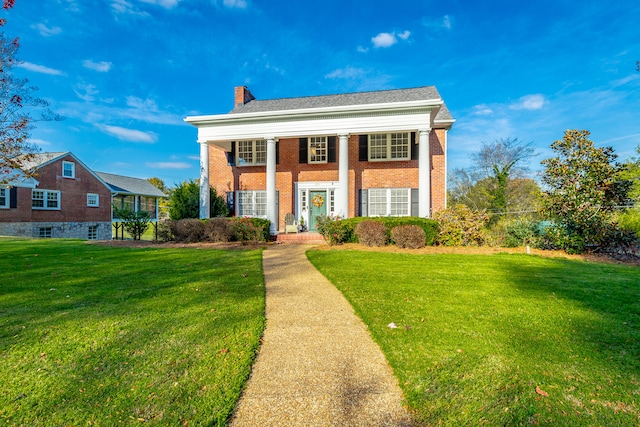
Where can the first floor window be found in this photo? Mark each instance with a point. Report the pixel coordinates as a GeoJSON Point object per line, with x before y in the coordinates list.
{"type": "Point", "coordinates": [389, 146]}
{"type": "Point", "coordinates": [252, 203]}
{"type": "Point", "coordinates": [148, 204]}
{"type": "Point", "coordinates": [389, 201]}
{"type": "Point", "coordinates": [93, 232]}
{"type": "Point", "coordinates": [93, 199]}
{"type": "Point", "coordinates": [4, 198]}
{"type": "Point", "coordinates": [44, 232]}
{"type": "Point", "coordinates": [45, 199]}
{"type": "Point", "coordinates": [251, 153]}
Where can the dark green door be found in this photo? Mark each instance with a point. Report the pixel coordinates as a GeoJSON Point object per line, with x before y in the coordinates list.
{"type": "Point", "coordinates": [318, 204]}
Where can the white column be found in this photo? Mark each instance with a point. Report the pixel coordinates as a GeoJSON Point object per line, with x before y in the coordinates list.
{"type": "Point", "coordinates": [424, 174]}
{"type": "Point", "coordinates": [342, 202]}
{"type": "Point", "coordinates": [272, 215]}
{"type": "Point", "coordinates": [204, 181]}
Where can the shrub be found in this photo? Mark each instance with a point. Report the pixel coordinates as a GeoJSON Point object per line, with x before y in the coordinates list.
{"type": "Point", "coordinates": [250, 229]}
{"type": "Point", "coordinates": [166, 230]}
{"type": "Point", "coordinates": [135, 223]}
{"type": "Point", "coordinates": [333, 230]}
{"type": "Point", "coordinates": [217, 230]}
{"type": "Point", "coordinates": [519, 232]}
{"type": "Point", "coordinates": [189, 230]}
{"type": "Point", "coordinates": [372, 233]}
{"type": "Point", "coordinates": [461, 226]}
{"type": "Point", "coordinates": [429, 226]}
{"type": "Point", "coordinates": [408, 236]}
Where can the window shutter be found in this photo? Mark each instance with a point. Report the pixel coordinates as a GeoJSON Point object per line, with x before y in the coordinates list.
{"type": "Point", "coordinates": [277, 152]}
{"type": "Point", "coordinates": [414, 147]}
{"type": "Point", "coordinates": [231, 155]}
{"type": "Point", "coordinates": [364, 211]}
{"type": "Point", "coordinates": [415, 202]}
{"type": "Point", "coordinates": [303, 151]}
{"type": "Point", "coordinates": [230, 203]}
{"type": "Point", "coordinates": [13, 198]}
{"type": "Point", "coordinates": [363, 152]}
{"type": "Point", "coordinates": [331, 149]}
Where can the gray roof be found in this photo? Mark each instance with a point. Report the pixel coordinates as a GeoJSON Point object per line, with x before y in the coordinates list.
{"type": "Point", "coordinates": [126, 184]}
{"type": "Point", "coordinates": [346, 99]}
{"type": "Point", "coordinates": [39, 159]}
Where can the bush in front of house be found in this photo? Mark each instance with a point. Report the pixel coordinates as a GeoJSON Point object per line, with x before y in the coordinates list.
{"type": "Point", "coordinates": [371, 233]}
{"type": "Point", "coordinates": [218, 230]}
{"type": "Point", "coordinates": [461, 226]}
{"type": "Point", "coordinates": [189, 230]}
{"type": "Point", "coordinates": [332, 229]}
{"type": "Point", "coordinates": [250, 229]}
{"type": "Point", "coordinates": [193, 230]}
{"type": "Point", "coordinates": [408, 236]}
{"type": "Point", "coordinates": [429, 226]}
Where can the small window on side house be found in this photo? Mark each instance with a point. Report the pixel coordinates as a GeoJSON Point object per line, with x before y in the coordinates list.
{"type": "Point", "coordinates": [68, 169]}
{"type": "Point", "coordinates": [93, 199]}
{"type": "Point", "coordinates": [44, 232]}
{"type": "Point", "coordinates": [4, 198]}
{"type": "Point", "coordinates": [93, 232]}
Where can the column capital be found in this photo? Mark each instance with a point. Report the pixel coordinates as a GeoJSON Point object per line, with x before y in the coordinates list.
{"type": "Point", "coordinates": [271, 139]}
{"type": "Point", "coordinates": [343, 135]}
{"type": "Point", "coordinates": [424, 131]}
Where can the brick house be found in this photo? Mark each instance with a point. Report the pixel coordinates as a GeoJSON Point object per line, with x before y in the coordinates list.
{"type": "Point", "coordinates": [377, 153]}
{"type": "Point", "coordinates": [66, 199]}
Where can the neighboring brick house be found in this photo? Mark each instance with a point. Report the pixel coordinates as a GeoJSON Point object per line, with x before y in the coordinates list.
{"type": "Point", "coordinates": [377, 153]}
{"type": "Point", "coordinates": [66, 199]}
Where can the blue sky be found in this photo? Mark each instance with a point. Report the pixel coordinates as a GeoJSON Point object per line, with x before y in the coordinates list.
{"type": "Point", "coordinates": [125, 73]}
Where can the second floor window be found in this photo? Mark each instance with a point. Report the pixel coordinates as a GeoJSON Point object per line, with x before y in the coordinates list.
{"type": "Point", "coordinates": [68, 169]}
{"type": "Point", "coordinates": [318, 149]}
{"type": "Point", "coordinates": [389, 146]}
{"type": "Point", "coordinates": [93, 199]}
{"type": "Point", "coordinates": [251, 153]}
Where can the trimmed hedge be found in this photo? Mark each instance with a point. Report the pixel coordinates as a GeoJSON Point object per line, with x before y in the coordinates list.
{"type": "Point", "coordinates": [215, 230]}
{"type": "Point", "coordinates": [429, 226]}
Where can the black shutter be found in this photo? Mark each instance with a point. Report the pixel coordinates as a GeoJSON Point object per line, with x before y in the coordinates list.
{"type": "Point", "coordinates": [277, 152]}
{"type": "Point", "coordinates": [331, 149]}
{"type": "Point", "coordinates": [363, 151]}
{"type": "Point", "coordinates": [230, 203]}
{"type": "Point", "coordinates": [414, 147]}
{"type": "Point", "coordinates": [415, 202]}
{"type": "Point", "coordinates": [303, 151]}
{"type": "Point", "coordinates": [13, 198]}
{"type": "Point", "coordinates": [231, 155]}
{"type": "Point", "coordinates": [364, 210]}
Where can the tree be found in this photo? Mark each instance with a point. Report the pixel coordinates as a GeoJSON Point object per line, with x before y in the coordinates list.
{"type": "Point", "coordinates": [135, 223]}
{"type": "Point", "coordinates": [15, 122]}
{"type": "Point", "coordinates": [500, 160]}
{"type": "Point", "coordinates": [185, 202]}
{"type": "Point", "coordinates": [163, 203]}
{"type": "Point", "coordinates": [583, 187]}
{"type": "Point", "coordinates": [159, 184]}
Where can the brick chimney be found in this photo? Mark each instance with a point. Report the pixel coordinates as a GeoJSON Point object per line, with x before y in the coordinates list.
{"type": "Point", "coordinates": [242, 96]}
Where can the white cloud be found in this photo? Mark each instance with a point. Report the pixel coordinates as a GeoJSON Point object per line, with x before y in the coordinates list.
{"type": "Point", "coordinates": [124, 7]}
{"type": "Point", "coordinates": [167, 4]}
{"type": "Point", "coordinates": [529, 102]}
{"type": "Point", "coordinates": [131, 135]}
{"type": "Point", "coordinates": [346, 73]}
{"type": "Point", "coordinates": [404, 35]}
{"type": "Point", "coordinates": [168, 165]}
{"type": "Point", "coordinates": [446, 22]}
{"type": "Point", "coordinates": [235, 4]}
{"type": "Point", "coordinates": [46, 31]}
{"type": "Point", "coordinates": [194, 157]}
{"type": "Point", "coordinates": [482, 110]}
{"type": "Point", "coordinates": [40, 142]}
{"type": "Point", "coordinates": [101, 66]}
{"type": "Point", "coordinates": [384, 40]}
{"type": "Point", "coordinates": [86, 92]}
{"type": "Point", "coordinates": [139, 103]}
{"type": "Point", "coordinates": [362, 49]}
{"type": "Point", "coordinates": [40, 69]}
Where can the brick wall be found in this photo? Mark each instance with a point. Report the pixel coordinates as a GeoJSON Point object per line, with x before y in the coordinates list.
{"type": "Point", "coordinates": [364, 174]}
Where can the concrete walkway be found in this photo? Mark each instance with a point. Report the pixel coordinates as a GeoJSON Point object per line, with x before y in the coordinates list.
{"type": "Point", "coordinates": [318, 365]}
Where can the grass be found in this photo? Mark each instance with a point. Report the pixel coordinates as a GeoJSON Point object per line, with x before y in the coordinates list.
{"type": "Point", "coordinates": [501, 339]}
{"type": "Point", "coordinates": [94, 335]}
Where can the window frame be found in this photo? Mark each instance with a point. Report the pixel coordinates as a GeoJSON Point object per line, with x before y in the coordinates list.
{"type": "Point", "coordinates": [255, 202]}
{"type": "Point", "coordinates": [391, 206]}
{"type": "Point", "coordinates": [73, 169]}
{"type": "Point", "coordinates": [258, 152]}
{"type": "Point", "coordinates": [46, 199]}
{"type": "Point", "coordinates": [97, 200]}
{"type": "Point", "coordinates": [6, 195]}
{"type": "Point", "coordinates": [92, 232]}
{"type": "Point", "coordinates": [389, 146]}
{"type": "Point", "coordinates": [312, 157]}
{"type": "Point", "coordinates": [45, 232]}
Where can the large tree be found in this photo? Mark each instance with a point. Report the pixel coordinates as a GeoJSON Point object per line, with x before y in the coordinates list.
{"type": "Point", "coordinates": [185, 202]}
{"type": "Point", "coordinates": [16, 98]}
{"type": "Point", "coordinates": [583, 187]}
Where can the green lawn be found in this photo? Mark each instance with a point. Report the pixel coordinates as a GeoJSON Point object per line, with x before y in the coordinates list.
{"type": "Point", "coordinates": [501, 339]}
{"type": "Point", "coordinates": [93, 335]}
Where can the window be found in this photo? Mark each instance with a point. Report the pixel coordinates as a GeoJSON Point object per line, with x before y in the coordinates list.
{"type": "Point", "coordinates": [252, 203]}
{"type": "Point", "coordinates": [4, 198]}
{"type": "Point", "coordinates": [332, 201]}
{"type": "Point", "coordinates": [389, 146]}
{"type": "Point", "coordinates": [68, 169]}
{"type": "Point", "coordinates": [318, 149]}
{"type": "Point", "coordinates": [45, 199]}
{"type": "Point", "coordinates": [148, 204]}
{"type": "Point", "coordinates": [44, 232]}
{"type": "Point", "coordinates": [251, 153]}
{"type": "Point", "coordinates": [93, 232]}
{"type": "Point", "coordinates": [389, 201]}
{"type": "Point", "coordinates": [93, 199]}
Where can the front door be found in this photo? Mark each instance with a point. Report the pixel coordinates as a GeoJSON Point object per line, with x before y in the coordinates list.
{"type": "Point", "coordinates": [318, 206]}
